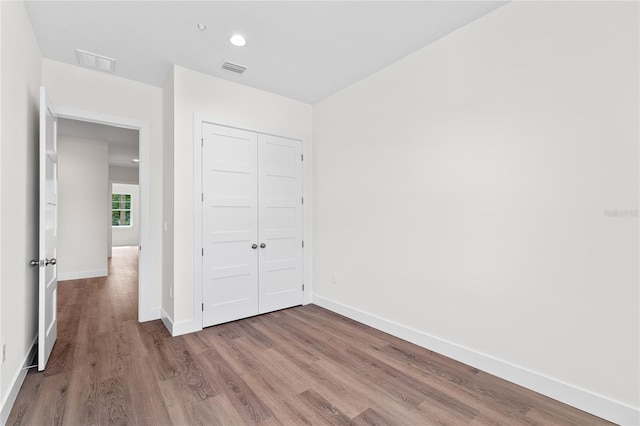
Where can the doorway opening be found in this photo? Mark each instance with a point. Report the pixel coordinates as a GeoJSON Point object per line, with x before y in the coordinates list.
{"type": "Point", "coordinates": [92, 159]}
{"type": "Point", "coordinates": [127, 145]}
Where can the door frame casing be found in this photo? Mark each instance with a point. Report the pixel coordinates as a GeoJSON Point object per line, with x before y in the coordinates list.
{"type": "Point", "coordinates": [146, 312]}
{"type": "Point", "coordinates": [198, 120]}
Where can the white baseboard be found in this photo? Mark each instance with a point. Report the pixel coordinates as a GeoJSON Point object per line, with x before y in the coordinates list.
{"type": "Point", "coordinates": [179, 328]}
{"type": "Point", "coordinates": [149, 315]}
{"type": "Point", "coordinates": [16, 384]}
{"type": "Point", "coordinates": [590, 402]}
{"type": "Point", "coordinates": [185, 327]}
{"type": "Point", "coordinates": [79, 275]}
{"type": "Point", "coordinates": [168, 323]}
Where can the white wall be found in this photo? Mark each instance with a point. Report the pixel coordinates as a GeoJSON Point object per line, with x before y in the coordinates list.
{"type": "Point", "coordinates": [167, 197]}
{"type": "Point", "coordinates": [462, 194]}
{"type": "Point", "coordinates": [20, 81]}
{"type": "Point", "coordinates": [84, 89]}
{"type": "Point", "coordinates": [123, 236]}
{"type": "Point", "coordinates": [233, 104]}
{"type": "Point", "coordinates": [83, 208]}
{"type": "Point", "coordinates": [121, 174]}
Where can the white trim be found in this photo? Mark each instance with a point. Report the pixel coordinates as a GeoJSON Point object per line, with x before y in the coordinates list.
{"type": "Point", "coordinates": [186, 327]}
{"type": "Point", "coordinates": [145, 311]}
{"type": "Point", "coordinates": [241, 124]}
{"type": "Point", "coordinates": [180, 328]}
{"type": "Point", "coordinates": [168, 323]}
{"type": "Point", "coordinates": [80, 275]}
{"type": "Point", "coordinates": [150, 315]}
{"type": "Point", "coordinates": [307, 222]}
{"type": "Point", "coordinates": [16, 384]}
{"type": "Point", "coordinates": [582, 399]}
{"type": "Point", "coordinates": [197, 219]}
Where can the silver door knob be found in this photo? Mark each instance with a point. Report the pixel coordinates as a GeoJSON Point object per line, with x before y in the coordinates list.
{"type": "Point", "coordinates": [34, 263]}
{"type": "Point", "coordinates": [262, 245]}
{"type": "Point", "coordinates": [254, 246]}
{"type": "Point", "coordinates": [51, 261]}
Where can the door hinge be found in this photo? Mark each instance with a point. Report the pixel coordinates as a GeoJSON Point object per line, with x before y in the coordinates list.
{"type": "Point", "coordinates": [203, 251]}
{"type": "Point", "coordinates": [302, 243]}
{"type": "Point", "coordinates": [203, 307]}
{"type": "Point", "coordinates": [202, 197]}
{"type": "Point", "coordinates": [302, 200]}
{"type": "Point", "coordinates": [201, 142]}
{"type": "Point", "coordinates": [301, 157]}
{"type": "Point", "coordinates": [302, 287]}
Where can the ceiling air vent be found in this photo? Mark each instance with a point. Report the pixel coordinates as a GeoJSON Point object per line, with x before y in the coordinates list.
{"type": "Point", "coordinates": [233, 67]}
{"type": "Point", "coordinates": [95, 61]}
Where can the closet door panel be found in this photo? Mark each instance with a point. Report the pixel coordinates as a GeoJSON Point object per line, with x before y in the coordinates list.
{"type": "Point", "coordinates": [230, 224]}
{"type": "Point", "coordinates": [280, 222]}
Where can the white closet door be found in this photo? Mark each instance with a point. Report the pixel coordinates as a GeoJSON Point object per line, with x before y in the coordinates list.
{"type": "Point", "coordinates": [280, 222]}
{"type": "Point", "coordinates": [230, 224]}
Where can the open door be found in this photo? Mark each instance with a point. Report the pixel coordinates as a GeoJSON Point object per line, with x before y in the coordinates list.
{"type": "Point", "coordinates": [48, 230]}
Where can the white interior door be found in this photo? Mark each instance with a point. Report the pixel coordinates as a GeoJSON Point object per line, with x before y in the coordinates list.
{"type": "Point", "coordinates": [48, 230]}
{"type": "Point", "coordinates": [280, 222]}
{"type": "Point", "coordinates": [230, 224]}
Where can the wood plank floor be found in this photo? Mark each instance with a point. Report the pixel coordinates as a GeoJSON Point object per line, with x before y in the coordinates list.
{"type": "Point", "coordinates": [299, 366]}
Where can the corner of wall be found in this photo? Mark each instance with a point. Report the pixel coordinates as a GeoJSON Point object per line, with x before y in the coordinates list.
{"type": "Point", "coordinates": [168, 100]}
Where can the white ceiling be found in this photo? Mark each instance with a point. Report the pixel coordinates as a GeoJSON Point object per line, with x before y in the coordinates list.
{"type": "Point", "coordinates": [123, 143]}
{"type": "Point", "coordinates": [305, 50]}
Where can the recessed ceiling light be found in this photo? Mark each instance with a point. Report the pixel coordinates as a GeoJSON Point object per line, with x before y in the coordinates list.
{"type": "Point", "coordinates": [237, 40]}
{"type": "Point", "coordinates": [135, 160]}
{"type": "Point", "coordinates": [202, 27]}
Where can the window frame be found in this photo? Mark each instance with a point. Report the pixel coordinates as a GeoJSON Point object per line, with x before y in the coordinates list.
{"type": "Point", "coordinates": [122, 210]}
